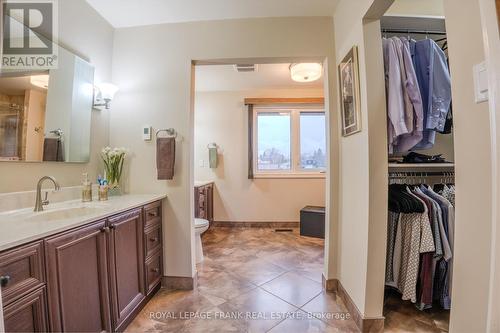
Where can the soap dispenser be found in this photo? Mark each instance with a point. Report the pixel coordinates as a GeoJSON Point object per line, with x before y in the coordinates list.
{"type": "Point", "coordinates": [87, 188]}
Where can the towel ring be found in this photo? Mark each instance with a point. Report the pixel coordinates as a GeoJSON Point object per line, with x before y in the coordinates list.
{"type": "Point", "coordinates": [212, 145]}
{"type": "Point", "coordinates": [170, 131]}
{"type": "Point", "coordinates": [57, 132]}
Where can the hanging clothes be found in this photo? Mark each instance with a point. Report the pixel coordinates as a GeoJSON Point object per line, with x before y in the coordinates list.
{"type": "Point", "coordinates": [435, 87]}
{"type": "Point", "coordinates": [414, 113]}
{"type": "Point", "coordinates": [418, 88]}
{"type": "Point", "coordinates": [419, 247]}
{"type": "Point", "coordinates": [394, 87]}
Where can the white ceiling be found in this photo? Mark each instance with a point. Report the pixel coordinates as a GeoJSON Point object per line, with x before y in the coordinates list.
{"type": "Point", "coordinates": [128, 13]}
{"type": "Point", "coordinates": [416, 8]}
{"type": "Point", "coordinates": [267, 77]}
{"type": "Point", "coordinates": [14, 85]}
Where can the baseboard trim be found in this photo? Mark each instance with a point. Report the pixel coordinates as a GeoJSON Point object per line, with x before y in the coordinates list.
{"type": "Point", "coordinates": [179, 282]}
{"type": "Point", "coordinates": [330, 285]}
{"type": "Point", "coordinates": [246, 224]}
{"type": "Point", "coordinates": [365, 325]}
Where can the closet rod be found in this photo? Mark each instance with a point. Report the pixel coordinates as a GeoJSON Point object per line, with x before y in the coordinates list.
{"type": "Point", "coordinates": [419, 32]}
{"type": "Point", "coordinates": [419, 173]}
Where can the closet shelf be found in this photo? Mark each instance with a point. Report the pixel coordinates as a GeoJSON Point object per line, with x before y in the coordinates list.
{"type": "Point", "coordinates": [421, 166]}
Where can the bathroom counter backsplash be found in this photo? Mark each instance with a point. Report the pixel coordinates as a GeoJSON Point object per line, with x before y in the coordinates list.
{"type": "Point", "coordinates": [22, 225]}
{"type": "Point", "coordinates": [19, 200]}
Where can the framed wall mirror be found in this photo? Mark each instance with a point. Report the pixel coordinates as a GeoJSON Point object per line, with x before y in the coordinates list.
{"type": "Point", "coordinates": [46, 116]}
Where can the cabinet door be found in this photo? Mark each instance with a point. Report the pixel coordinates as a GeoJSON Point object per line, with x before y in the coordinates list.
{"type": "Point", "coordinates": [77, 280]}
{"type": "Point", "coordinates": [27, 314]}
{"type": "Point", "coordinates": [210, 203]}
{"type": "Point", "coordinates": [24, 270]}
{"type": "Point", "coordinates": [126, 262]}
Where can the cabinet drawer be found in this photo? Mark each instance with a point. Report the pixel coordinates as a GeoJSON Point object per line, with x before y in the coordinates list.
{"type": "Point", "coordinates": [153, 271]}
{"type": "Point", "coordinates": [22, 268]}
{"type": "Point", "coordinates": [27, 314]}
{"type": "Point", "coordinates": [153, 239]}
{"type": "Point", "coordinates": [152, 214]}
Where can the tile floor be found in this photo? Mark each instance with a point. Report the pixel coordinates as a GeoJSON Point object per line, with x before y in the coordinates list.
{"type": "Point", "coordinates": [259, 280]}
{"type": "Point", "coordinates": [404, 317]}
{"type": "Point", "coordinates": [252, 280]}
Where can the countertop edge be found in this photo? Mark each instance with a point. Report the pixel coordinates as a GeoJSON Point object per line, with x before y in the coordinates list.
{"type": "Point", "coordinates": [203, 183]}
{"type": "Point", "coordinates": [43, 235]}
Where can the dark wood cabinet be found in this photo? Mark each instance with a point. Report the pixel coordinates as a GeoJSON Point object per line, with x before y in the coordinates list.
{"type": "Point", "coordinates": [153, 271]}
{"type": "Point", "coordinates": [153, 240]}
{"type": "Point", "coordinates": [27, 314]}
{"type": "Point", "coordinates": [22, 271]}
{"type": "Point", "coordinates": [204, 202]}
{"type": "Point", "coordinates": [94, 278]}
{"type": "Point", "coordinates": [77, 280]}
{"type": "Point", "coordinates": [126, 265]}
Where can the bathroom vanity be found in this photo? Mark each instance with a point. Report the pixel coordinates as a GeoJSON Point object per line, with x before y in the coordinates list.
{"type": "Point", "coordinates": [80, 266]}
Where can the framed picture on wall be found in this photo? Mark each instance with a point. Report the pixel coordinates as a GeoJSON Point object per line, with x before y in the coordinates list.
{"type": "Point", "coordinates": [349, 93]}
{"type": "Point", "coordinates": [498, 12]}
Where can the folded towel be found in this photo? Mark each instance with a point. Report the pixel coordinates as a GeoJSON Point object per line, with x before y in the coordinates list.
{"type": "Point", "coordinates": [53, 150]}
{"type": "Point", "coordinates": [212, 157]}
{"type": "Point", "coordinates": [165, 157]}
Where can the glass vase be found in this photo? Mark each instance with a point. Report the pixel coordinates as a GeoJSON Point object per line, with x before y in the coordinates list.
{"type": "Point", "coordinates": [115, 189]}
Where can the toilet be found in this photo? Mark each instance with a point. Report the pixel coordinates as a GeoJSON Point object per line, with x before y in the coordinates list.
{"type": "Point", "coordinates": [200, 226]}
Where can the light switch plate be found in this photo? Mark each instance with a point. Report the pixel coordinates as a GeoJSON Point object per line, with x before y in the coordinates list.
{"type": "Point", "coordinates": [480, 82]}
{"type": "Point", "coordinates": [147, 133]}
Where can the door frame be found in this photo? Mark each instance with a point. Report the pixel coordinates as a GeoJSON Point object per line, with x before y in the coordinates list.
{"type": "Point", "coordinates": [332, 147]}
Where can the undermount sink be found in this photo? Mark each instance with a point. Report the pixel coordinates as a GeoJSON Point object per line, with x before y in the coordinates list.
{"type": "Point", "coordinates": [64, 213]}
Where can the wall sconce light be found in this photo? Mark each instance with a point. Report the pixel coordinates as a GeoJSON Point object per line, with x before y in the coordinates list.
{"type": "Point", "coordinates": [104, 94]}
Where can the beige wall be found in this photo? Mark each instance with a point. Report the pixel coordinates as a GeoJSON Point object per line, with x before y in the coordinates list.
{"type": "Point", "coordinates": [354, 167]}
{"type": "Point", "coordinates": [152, 66]}
{"type": "Point", "coordinates": [473, 177]}
{"type": "Point", "coordinates": [86, 33]}
{"type": "Point", "coordinates": [222, 117]}
{"type": "Point", "coordinates": [489, 21]}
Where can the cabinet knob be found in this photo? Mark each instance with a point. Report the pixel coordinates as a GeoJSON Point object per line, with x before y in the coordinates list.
{"type": "Point", "coordinates": [112, 227]}
{"type": "Point", "coordinates": [153, 239]}
{"type": "Point", "coordinates": [106, 229]}
{"type": "Point", "coordinates": [4, 280]}
{"type": "Point", "coordinates": [156, 270]}
{"type": "Point", "coordinates": [152, 214]}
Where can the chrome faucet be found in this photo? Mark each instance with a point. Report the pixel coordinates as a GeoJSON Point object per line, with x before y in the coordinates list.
{"type": "Point", "coordinates": [39, 202]}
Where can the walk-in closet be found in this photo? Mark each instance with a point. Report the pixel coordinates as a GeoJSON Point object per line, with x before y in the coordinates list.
{"type": "Point", "coordinates": [421, 210]}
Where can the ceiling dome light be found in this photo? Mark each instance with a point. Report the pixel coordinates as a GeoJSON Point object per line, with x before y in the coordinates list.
{"type": "Point", "coordinates": [306, 72]}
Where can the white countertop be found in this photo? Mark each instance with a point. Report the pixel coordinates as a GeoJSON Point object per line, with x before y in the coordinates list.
{"type": "Point", "coordinates": [198, 183]}
{"type": "Point", "coordinates": [23, 226]}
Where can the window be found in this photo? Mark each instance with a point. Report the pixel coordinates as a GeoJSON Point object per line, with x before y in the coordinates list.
{"type": "Point", "coordinates": [312, 141]}
{"type": "Point", "coordinates": [273, 141]}
{"type": "Point", "coordinates": [289, 142]}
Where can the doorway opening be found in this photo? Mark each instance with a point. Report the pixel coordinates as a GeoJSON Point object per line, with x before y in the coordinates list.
{"type": "Point", "coordinates": [421, 195]}
{"type": "Point", "coordinates": [260, 168]}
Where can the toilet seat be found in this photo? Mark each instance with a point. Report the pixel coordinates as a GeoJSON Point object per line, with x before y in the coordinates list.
{"type": "Point", "coordinates": [200, 223]}
{"type": "Point", "coordinates": [200, 226]}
